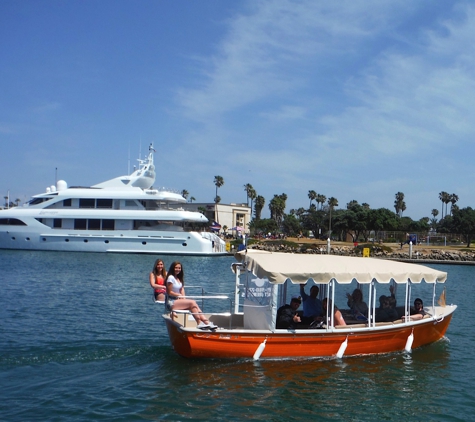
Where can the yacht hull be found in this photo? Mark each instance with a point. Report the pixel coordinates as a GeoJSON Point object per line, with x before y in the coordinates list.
{"type": "Point", "coordinates": [169, 242]}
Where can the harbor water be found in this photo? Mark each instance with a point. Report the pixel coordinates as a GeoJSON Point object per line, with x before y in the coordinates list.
{"type": "Point", "coordinates": [81, 340]}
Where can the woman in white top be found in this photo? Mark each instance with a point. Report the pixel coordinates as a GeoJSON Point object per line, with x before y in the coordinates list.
{"type": "Point", "coordinates": [176, 296]}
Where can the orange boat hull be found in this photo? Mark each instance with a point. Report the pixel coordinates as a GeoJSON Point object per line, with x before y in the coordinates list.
{"type": "Point", "coordinates": [243, 344]}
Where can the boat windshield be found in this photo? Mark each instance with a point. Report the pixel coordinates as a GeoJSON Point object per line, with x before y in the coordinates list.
{"type": "Point", "coordinates": [36, 201]}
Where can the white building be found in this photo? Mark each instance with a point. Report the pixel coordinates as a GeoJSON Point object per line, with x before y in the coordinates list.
{"type": "Point", "coordinates": [229, 215]}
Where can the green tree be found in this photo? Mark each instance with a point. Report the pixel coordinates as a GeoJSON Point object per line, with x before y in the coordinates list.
{"type": "Point", "coordinates": [340, 224]}
{"type": "Point", "coordinates": [313, 220]}
{"type": "Point", "coordinates": [291, 225]}
{"type": "Point", "coordinates": [185, 194]}
{"type": "Point", "coordinates": [463, 221]}
{"type": "Point", "coordinates": [265, 225]}
{"type": "Point", "coordinates": [382, 219]}
{"type": "Point", "coordinates": [354, 220]}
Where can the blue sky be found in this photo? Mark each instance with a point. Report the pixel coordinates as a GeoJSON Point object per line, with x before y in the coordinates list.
{"type": "Point", "coordinates": [353, 99]}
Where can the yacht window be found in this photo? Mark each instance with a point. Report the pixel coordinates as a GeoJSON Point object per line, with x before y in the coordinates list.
{"type": "Point", "coordinates": [36, 201]}
{"type": "Point", "coordinates": [57, 223]}
{"type": "Point", "coordinates": [130, 203]}
{"type": "Point", "coordinates": [80, 224]}
{"type": "Point", "coordinates": [108, 224]}
{"type": "Point", "coordinates": [104, 203]}
{"type": "Point", "coordinates": [87, 203]}
{"type": "Point", "coordinates": [11, 222]}
{"type": "Point", "coordinates": [67, 202]}
{"type": "Point", "coordinates": [94, 224]}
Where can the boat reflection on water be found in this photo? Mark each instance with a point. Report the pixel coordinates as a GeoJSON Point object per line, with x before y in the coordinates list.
{"type": "Point", "coordinates": [324, 387]}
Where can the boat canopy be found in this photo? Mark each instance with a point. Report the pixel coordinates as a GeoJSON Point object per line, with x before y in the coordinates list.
{"type": "Point", "coordinates": [277, 267]}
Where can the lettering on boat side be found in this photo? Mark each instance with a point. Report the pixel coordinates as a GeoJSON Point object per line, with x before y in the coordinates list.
{"type": "Point", "coordinates": [203, 335]}
{"type": "Point", "coordinates": [225, 336]}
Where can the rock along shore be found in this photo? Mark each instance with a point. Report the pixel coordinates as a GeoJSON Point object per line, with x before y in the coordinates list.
{"type": "Point", "coordinates": [421, 254]}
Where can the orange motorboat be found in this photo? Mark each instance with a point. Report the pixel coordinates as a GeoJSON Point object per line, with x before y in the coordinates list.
{"type": "Point", "coordinates": [264, 281]}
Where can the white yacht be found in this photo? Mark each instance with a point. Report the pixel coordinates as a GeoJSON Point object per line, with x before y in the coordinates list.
{"type": "Point", "coordinates": [124, 214]}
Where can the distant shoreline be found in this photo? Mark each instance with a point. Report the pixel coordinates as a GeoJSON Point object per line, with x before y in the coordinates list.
{"type": "Point", "coordinates": [421, 254]}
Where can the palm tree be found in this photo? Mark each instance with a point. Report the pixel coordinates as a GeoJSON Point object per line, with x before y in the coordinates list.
{"type": "Point", "coordinates": [17, 201]}
{"type": "Point", "coordinates": [248, 188]}
{"type": "Point", "coordinates": [446, 202]}
{"type": "Point", "coordinates": [252, 196]}
{"type": "Point", "coordinates": [185, 193]}
{"type": "Point", "coordinates": [321, 200]}
{"type": "Point", "coordinates": [443, 197]}
{"type": "Point", "coordinates": [399, 204]}
{"type": "Point", "coordinates": [433, 220]}
{"type": "Point", "coordinates": [218, 182]}
{"type": "Point", "coordinates": [192, 199]}
{"type": "Point", "coordinates": [453, 199]}
{"type": "Point", "coordinates": [300, 212]}
{"type": "Point", "coordinates": [332, 203]}
{"type": "Point", "coordinates": [277, 208]}
{"type": "Point", "coordinates": [258, 205]}
{"type": "Point", "coordinates": [312, 195]}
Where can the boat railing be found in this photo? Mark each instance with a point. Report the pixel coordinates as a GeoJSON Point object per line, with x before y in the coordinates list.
{"type": "Point", "coordinates": [203, 298]}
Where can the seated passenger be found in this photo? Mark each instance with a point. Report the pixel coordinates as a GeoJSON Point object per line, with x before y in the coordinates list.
{"type": "Point", "coordinates": [337, 318]}
{"type": "Point", "coordinates": [392, 298]}
{"type": "Point", "coordinates": [356, 304]}
{"type": "Point", "coordinates": [176, 299]}
{"type": "Point", "coordinates": [385, 313]}
{"type": "Point", "coordinates": [157, 280]}
{"type": "Point", "coordinates": [287, 316]}
{"type": "Point", "coordinates": [417, 312]}
{"type": "Point", "coordinates": [312, 305]}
